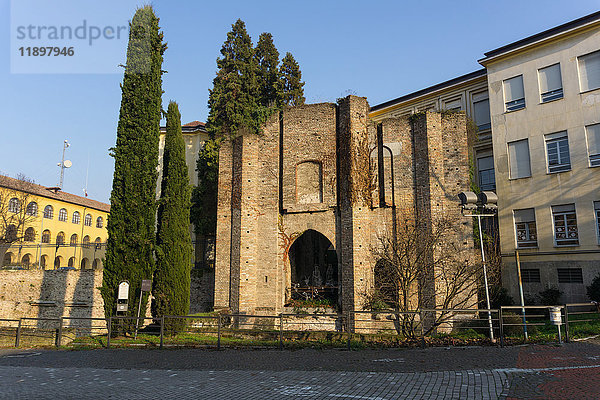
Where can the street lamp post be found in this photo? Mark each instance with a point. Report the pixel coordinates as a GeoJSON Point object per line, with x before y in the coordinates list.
{"type": "Point", "coordinates": [479, 205]}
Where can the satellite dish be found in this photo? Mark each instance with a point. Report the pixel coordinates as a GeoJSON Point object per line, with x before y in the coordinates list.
{"type": "Point", "coordinates": [67, 163]}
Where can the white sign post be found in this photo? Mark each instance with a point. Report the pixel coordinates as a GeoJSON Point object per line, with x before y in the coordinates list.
{"type": "Point", "coordinates": [556, 319]}
{"type": "Point", "coordinates": [123, 297]}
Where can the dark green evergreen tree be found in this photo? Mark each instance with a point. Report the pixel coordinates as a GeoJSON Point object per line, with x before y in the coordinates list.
{"type": "Point", "coordinates": [267, 74]}
{"type": "Point", "coordinates": [204, 196]}
{"type": "Point", "coordinates": [233, 101]}
{"type": "Point", "coordinates": [291, 85]}
{"type": "Point", "coordinates": [131, 226]}
{"type": "Point", "coordinates": [171, 285]}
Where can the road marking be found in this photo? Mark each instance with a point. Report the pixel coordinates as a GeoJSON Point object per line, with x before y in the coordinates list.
{"type": "Point", "coordinates": [23, 355]}
{"type": "Point", "coordinates": [517, 370]}
{"type": "Point", "coordinates": [352, 396]}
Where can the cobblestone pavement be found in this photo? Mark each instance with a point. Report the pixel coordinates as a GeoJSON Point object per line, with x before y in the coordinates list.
{"type": "Point", "coordinates": [528, 372]}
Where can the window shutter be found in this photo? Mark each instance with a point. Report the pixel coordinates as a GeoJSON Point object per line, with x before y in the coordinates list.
{"type": "Point", "coordinates": [563, 208]}
{"type": "Point", "coordinates": [589, 71]}
{"type": "Point", "coordinates": [518, 158]}
{"type": "Point", "coordinates": [526, 215]}
{"type": "Point", "coordinates": [513, 89]}
{"type": "Point", "coordinates": [550, 78]}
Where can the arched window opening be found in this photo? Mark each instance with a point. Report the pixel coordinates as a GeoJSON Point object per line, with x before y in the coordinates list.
{"type": "Point", "coordinates": [71, 263]}
{"type": "Point", "coordinates": [76, 217]}
{"type": "Point", "coordinates": [84, 263]}
{"type": "Point", "coordinates": [11, 233]}
{"type": "Point", "coordinates": [46, 236]}
{"type": "Point", "coordinates": [62, 215]}
{"type": "Point", "coordinates": [48, 212]}
{"type": "Point", "coordinates": [73, 241]}
{"type": "Point", "coordinates": [86, 241]}
{"type": "Point", "coordinates": [99, 222]}
{"type": "Point", "coordinates": [29, 235]}
{"type": "Point", "coordinates": [57, 262]}
{"type": "Point", "coordinates": [60, 238]}
{"type": "Point", "coordinates": [32, 209]}
{"type": "Point", "coordinates": [97, 264]}
{"type": "Point", "coordinates": [7, 260]}
{"type": "Point", "coordinates": [44, 261]}
{"type": "Point", "coordinates": [382, 167]}
{"type": "Point", "coordinates": [386, 290]}
{"type": "Point", "coordinates": [314, 269]}
{"type": "Point", "coordinates": [88, 220]}
{"type": "Point", "coordinates": [14, 205]}
{"type": "Point", "coordinates": [26, 260]}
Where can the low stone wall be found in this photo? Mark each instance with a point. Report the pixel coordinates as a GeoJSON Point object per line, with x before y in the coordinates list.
{"type": "Point", "coordinates": [50, 294]}
{"type": "Point", "coordinates": [76, 294]}
{"type": "Point", "coordinates": [202, 290]}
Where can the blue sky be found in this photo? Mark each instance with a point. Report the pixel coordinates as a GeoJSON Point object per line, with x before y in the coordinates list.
{"type": "Point", "coordinates": [379, 49]}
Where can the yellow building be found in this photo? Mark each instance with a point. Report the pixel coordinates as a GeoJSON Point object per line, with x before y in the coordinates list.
{"type": "Point", "coordinates": [46, 228]}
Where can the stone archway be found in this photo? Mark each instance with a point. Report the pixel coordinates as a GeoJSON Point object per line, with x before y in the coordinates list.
{"type": "Point", "coordinates": [313, 268]}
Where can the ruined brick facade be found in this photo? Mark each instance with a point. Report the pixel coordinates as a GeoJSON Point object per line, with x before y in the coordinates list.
{"type": "Point", "coordinates": [316, 168]}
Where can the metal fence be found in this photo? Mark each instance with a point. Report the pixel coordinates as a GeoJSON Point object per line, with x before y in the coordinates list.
{"type": "Point", "coordinates": [352, 329]}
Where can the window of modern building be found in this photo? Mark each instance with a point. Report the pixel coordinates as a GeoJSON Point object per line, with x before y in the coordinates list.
{"type": "Point", "coordinates": [46, 236]}
{"type": "Point", "coordinates": [99, 222]}
{"type": "Point", "coordinates": [589, 71]}
{"type": "Point", "coordinates": [48, 212]}
{"type": "Point", "coordinates": [550, 83]}
{"type": "Point", "coordinates": [530, 275]}
{"type": "Point", "coordinates": [597, 212]}
{"type": "Point", "coordinates": [76, 217]}
{"type": "Point", "coordinates": [60, 238]}
{"type": "Point", "coordinates": [514, 95]}
{"type": "Point", "coordinates": [73, 241]}
{"type": "Point", "coordinates": [32, 209]}
{"type": "Point", "coordinates": [14, 205]}
{"type": "Point", "coordinates": [485, 171]}
{"type": "Point", "coordinates": [525, 228]}
{"type": "Point", "coordinates": [593, 142]}
{"type": "Point", "coordinates": [565, 225]}
{"type": "Point", "coordinates": [453, 104]}
{"type": "Point", "coordinates": [481, 110]}
{"type": "Point", "coordinates": [62, 215]}
{"type": "Point", "coordinates": [29, 235]}
{"type": "Point", "coordinates": [86, 241]}
{"type": "Point", "coordinates": [569, 275]}
{"type": "Point", "coordinates": [87, 221]}
{"type": "Point", "coordinates": [557, 151]}
{"type": "Point", "coordinates": [518, 159]}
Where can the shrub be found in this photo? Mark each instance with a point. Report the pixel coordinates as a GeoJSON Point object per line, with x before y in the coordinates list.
{"type": "Point", "coordinates": [550, 296]}
{"type": "Point", "coordinates": [593, 291]}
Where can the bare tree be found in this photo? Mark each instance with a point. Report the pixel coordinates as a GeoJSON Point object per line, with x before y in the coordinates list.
{"type": "Point", "coordinates": [424, 264]}
{"type": "Point", "coordinates": [17, 210]}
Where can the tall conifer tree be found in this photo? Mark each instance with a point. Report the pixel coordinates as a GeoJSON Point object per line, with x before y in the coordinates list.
{"type": "Point", "coordinates": [292, 87]}
{"type": "Point", "coordinates": [267, 59]}
{"type": "Point", "coordinates": [171, 285]}
{"type": "Point", "coordinates": [131, 225]}
{"type": "Point", "coordinates": [233, 101]}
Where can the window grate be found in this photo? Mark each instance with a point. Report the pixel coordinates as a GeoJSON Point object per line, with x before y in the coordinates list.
{"type": "Point", "coordinates": [570, 275]}
{"type": "Point", "coordinates": [530, 275]}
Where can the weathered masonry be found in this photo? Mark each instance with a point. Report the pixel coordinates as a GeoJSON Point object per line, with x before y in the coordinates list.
{"type": "Point", "coordinates": [301, 205]}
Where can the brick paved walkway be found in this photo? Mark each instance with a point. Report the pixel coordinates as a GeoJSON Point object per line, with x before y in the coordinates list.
{"type": "Point", "coordinates": [530, 372]}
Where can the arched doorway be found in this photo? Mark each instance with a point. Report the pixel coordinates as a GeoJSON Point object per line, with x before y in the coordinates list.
{"type": "Point", "coordinates": [26, 260]}
{"type": "Point", "coordinates": [44, 261]}
{"type": "Point", "coordinates": [71, 263]}
{"type": "Point", "coordinates": [314, 268]}
{"type": "Point", "coordinates": [57, 261]}
{"type": "Point", "coordinates": [84, 263]}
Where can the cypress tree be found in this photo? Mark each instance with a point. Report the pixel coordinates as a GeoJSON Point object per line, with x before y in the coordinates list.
{"type": "Point", "coordinates": [203, 213]}
{"type": "Point", "coordinates": [291, 85]}
{"type": "Point", "coordinates": [171, 285]}
{"type": "Point", "coordinates": [131, 225]}
{"type": "Point", "coordinates": [267, 74]}
{"type": "Point", "coordinates": [234, 101]}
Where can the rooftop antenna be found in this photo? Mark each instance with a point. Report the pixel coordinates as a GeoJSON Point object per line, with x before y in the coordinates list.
{"type": "Point", "coordinates": [64, 164]}
{"type": "Point", "coordinates": [87, 172]}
